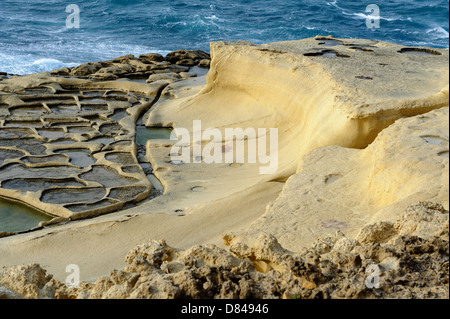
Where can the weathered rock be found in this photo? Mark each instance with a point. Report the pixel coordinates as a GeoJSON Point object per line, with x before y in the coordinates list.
{"type": "Point", "coordinates": [122, 59]}
{"type": "Point", "coordinates": [186, 62]}
{"type": "Point", "coordinates": [53, 221]}
{"type": "Point", "coordinates": [117, 69]}
{"type": "Point", "coordinates": [399, 168]}
{"type": "Point", "coordinates": [6, 234]}
{"type": "Point", "coordinates": [168, 77]}
{"type": "Point", "coordinates": [103, 76]}
{"type": "Point", "coordinates": [407, 266]}
{"type": "Point", "coordinates": [205, 63]}
{"type": "Point", "coordinates": [27, 281]}
{"type": "Point", "coordinates": [84, 70]}
{"type": "Point", "coordinates": [187, 75]}
{"type": "Point", "coordinates": [151, 57]}
{"type": "Point", "coordinates": [186, 57]}
{"type": "Point", "coordinates": [61, 72]}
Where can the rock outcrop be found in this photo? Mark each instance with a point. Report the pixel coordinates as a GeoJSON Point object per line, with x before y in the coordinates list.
{"type": "Point", "coordinates": [142, 67]}
{"type": "Point", "coordinates": [344, 189]}
{"type": "Point", "coordinates": [318, 92]}
{"type": "Point", "coordinates": [362, 135]}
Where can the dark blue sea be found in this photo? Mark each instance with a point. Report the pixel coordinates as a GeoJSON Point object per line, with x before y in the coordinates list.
{"type": "Point", "coordinates": [34, 36]}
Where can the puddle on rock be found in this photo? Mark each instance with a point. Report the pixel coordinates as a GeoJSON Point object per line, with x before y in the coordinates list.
{"type": "Point", "coordinates": [108, 177]}
{"type": "Point", "coordinates": [118, 115]}
{"type": "Point", "coordinates": [80, 129]}
{"type": "Point", "coordinates": [38, 184]}
{"type": "Point", "coordinates": [78, 157]}
{"type": "Point", "coordinates": [332, 178]}
{"type": "Point", "coordinates": [28, 110]}
{"type": "Point", "coordinates": [143, 134]}
{"type": "Point", "coordinates": [156, 183]}
{"type": "Point", "coordinates": [51, 133]}
{"type": "Point", "coordinates": [121, 158]}
{"type": "Point", "coordinates": [436, 140]}
{"type": "Point", "coordinates": [444, 154]}
{"type": "Point", "coordinates": [329, 42]}
{"type": "Point", "coordinates": [419, 51]}
{"type": "Point", "coordinates": [73, 195]}
{"type": "Point", "coordinates": [103, 140]}
{"type": "Point", "coordinates": [9, 154]}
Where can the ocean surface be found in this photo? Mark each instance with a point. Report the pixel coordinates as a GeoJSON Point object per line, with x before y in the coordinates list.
{"type": "Point", "coordinates": [34, 36]}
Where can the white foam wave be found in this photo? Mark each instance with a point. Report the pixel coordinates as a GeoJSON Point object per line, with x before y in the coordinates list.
{"type": "Point", "coordinates": [438, 32]}
{"type": "Point", "coordinates": [22, 65]}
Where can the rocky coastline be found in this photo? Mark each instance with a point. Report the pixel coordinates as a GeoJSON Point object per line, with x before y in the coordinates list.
{"type": "Point", "coordinates": [361, 186]}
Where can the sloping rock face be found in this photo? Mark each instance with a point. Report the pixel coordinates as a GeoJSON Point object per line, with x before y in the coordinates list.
{"type": "Point", "coordinates": [317, 92]}
{"type": "Point", "coordinates": [142, 67]}
{"type": "Point", "coordinates": [407, 258]}
{"type": "Point", "coordinates": [345, 189]}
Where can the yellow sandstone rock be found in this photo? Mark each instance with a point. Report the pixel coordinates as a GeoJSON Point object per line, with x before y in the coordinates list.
{"type": "Point", "coordinates": [362, 133]}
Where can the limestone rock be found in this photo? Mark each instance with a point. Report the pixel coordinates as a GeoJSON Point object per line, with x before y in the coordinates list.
{"type": "Point", "coordinates": [117, 69]}
{"type": "Point", "coordinates": [104, 77]}
{"type": "Point", "coordinates": [408, 266]}
{"type": "Point", "coordinates": [123, 59]}
{"type": "Point", "coordinates": [346, 189]}
{"type": "Point", "coordinates": [61, 72]}
{"type": "Point", "coordinates": [53, 221]}
{"type": "Point", "coordinates": [27, 281]}
{"type": "Point", "coordinates": [168, 77]}
{"type": "Point", "coordinates": [186, 75]}
{"type": "Point", "coordinates": [151, 57]}
{"type": "Point", "coordinates": [6, 234]}
{"type": "Point", "coordinates": [186, 62]}
{"type": "Point", "coordinates": [84, 70]}
{"type": "Point", "coordinates": [205, 63]}
{"type": "Point", "coordinates": [186, 57]}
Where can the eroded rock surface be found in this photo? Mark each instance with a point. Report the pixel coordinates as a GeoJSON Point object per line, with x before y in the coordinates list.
{"type": "Point", "coordinates": [387, 260]}
{"type": "Point", "coordinates": [344, 189]}
{"type": "Point", "coordinates": [68, 137]}
{"type": "Point", "coordinates": [362, 135]}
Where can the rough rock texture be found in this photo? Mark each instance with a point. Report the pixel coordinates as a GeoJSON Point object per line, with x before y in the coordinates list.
{"type": "Point", "coordinates": [67, 145]}
{"type": "Point", "coordinates": [328, 98]}
{"type": "Point", "coordinates": [408, 258]}
{"type": "Point", "coordinates": [145, 65]}
{"type": "Point", "coordinates": [188, 58]}
{"type": "Point", "coordinates": [77, 128]}
{"type": "Point", "coordinates": [345, 97]}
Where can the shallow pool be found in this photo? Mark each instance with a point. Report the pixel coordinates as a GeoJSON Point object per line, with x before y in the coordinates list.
{"type": "Point", "coordinates": [16, 217]}
{"type": "Point", "coordinates": [143, 134]}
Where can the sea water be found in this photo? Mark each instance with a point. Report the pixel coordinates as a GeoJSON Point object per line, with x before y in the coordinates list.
{"type": "Point", "coordinates": [34, 36]}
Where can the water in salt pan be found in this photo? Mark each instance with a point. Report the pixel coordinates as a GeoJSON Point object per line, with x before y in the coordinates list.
{"type": "Point", "coordinates": [143, 134]}
{"type": "Point", "coordinates": [15, 217]}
